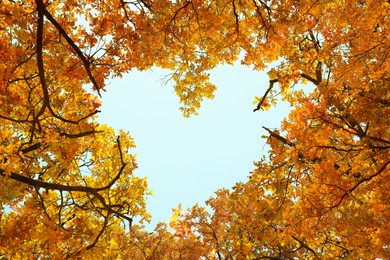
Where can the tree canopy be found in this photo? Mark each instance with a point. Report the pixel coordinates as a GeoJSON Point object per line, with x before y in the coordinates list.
{"type": "Point", "coordinates": [67, 183]}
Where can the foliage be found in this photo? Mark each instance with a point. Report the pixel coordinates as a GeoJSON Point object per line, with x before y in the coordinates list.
{"type": "Point", "coordinates": [68, 183]}
{"type": "Point", "coordinates": [322, 192]}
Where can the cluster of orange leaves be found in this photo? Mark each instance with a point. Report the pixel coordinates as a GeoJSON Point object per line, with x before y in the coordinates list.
{"type": "Point", "coordinates": [67, 183]}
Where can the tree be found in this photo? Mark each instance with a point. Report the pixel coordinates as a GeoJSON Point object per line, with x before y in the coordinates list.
{"type": "Point", "coordinates": [323, 190]}
{"type": "Point", "coordinates": [67, 181]}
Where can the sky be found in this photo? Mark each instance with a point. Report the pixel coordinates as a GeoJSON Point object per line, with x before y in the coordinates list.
{"type": "Point", "coordinates": [186, 160]}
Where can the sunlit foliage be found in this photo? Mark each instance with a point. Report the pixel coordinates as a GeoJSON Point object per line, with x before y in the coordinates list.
{"type": "Point", "coordinates": [67, 182]}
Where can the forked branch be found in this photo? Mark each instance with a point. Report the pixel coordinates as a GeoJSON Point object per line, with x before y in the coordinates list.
{"type": "Point", "coordinates": [42, 9]}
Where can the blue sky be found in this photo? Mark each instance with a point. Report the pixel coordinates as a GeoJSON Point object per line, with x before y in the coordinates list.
{"type": "Point", "coordinates": [187, 159]}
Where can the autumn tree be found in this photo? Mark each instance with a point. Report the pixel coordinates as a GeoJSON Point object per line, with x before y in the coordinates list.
{"type": "Point", "coordinates": [323, 189]}
{"type": "Point", "coordinates": [68, 183]}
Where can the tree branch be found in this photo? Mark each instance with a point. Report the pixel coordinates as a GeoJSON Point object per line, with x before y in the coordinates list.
{"type": "Point", "coordinates": [43, 10]}
{"type": "Point", "coordinates": [316, 81]}
{"type": "Point", "coordinates": [304, 245]}
{"type": "Point", "coordinates": [236, 17]}
{"type": "Point", "coordinates": [82, 134]}
{"type": "Point", "coordinates": [70, 188]}
{"type": "Point", "coordinates": [271, 85]}
{"type": "Point", "coordinates": [357, 185]}
{"type": "Point", "coordinates": [41, 69]}
{"type": "Point", "coordinates": [280, 138]}
{"type": "Point", "coordinates": [31, 148]}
